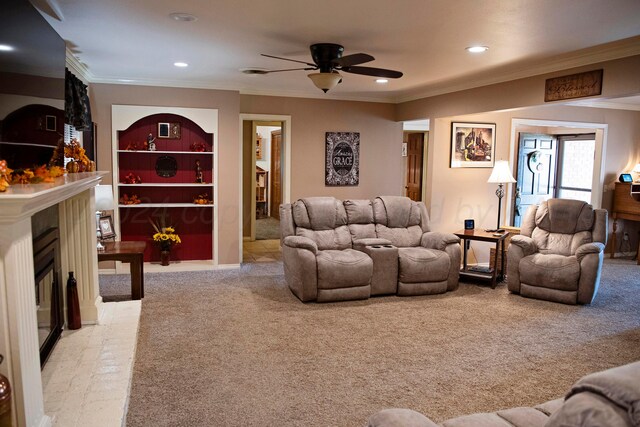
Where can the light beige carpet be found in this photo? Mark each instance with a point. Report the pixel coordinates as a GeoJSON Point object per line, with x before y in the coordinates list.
{"type": "Point", "coordinates": [236, 348]}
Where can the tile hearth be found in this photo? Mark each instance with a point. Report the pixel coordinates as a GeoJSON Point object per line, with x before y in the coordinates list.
{"type": "Point", "coordinates": [87, 378]}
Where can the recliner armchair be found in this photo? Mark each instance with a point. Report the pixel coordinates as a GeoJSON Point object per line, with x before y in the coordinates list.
{"type": "Point", "coordinates": [559, 253]}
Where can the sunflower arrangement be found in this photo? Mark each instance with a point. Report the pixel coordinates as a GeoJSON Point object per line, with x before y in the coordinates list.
{"type": "Point", "coordinates": [164, 234]}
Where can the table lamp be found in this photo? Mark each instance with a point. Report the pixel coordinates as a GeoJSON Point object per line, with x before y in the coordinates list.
{"type": "Point", "coordinates": [636, 170]}
{"type": "Point", "coordinates": [500, 175]}
{"type": "Point", "coordinates": [104, 202]}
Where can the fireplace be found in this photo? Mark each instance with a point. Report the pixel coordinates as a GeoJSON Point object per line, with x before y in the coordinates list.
{"type": "Point", "coordinates": [49, 296]}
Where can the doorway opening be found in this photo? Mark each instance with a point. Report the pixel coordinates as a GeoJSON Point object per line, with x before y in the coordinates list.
{"type": "Point", "coordinates": [265, 171]}
{"type": "Point", "coordinates": [415, 137]}
{"type": "Point", "coordinates": [555, 160]}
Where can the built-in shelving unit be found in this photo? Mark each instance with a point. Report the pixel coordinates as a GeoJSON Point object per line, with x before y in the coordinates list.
{"type": "Point", "coordinates": [167, 181]}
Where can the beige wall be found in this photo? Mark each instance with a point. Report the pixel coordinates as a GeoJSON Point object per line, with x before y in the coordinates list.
{"type": "Point", "coordinates": [380, 143]}
{"type": "Point", "coordinates": [103, 96]}
{"type": "Point", "coordinates": [456, 194]}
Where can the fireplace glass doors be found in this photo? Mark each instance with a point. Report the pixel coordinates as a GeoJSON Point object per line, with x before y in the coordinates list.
{"type": "Point", "coordinates": [49, 300]}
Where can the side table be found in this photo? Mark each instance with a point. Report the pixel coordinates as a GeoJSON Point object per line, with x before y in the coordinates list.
{"type": "Point", "coordinates": [132, 253]}
{"type": "Point", "coordinates": [473, 272]}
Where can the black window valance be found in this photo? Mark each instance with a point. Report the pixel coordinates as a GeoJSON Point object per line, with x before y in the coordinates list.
{"type": "Point", "coordinates": [77, 110]}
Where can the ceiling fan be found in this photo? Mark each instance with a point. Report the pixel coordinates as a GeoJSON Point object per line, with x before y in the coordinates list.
{"type": "Point", "coordinates": [328, 60]}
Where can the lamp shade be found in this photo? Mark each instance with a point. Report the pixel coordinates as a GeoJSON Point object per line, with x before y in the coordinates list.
{"type": "Point", "coordinates": [325, 81]}
{"type": "Point", "coordinates": [637, 168]}
{"type": "Point", "coordinates": [104, 198]}
{"type": "Point", "coordinates": [501, 173]}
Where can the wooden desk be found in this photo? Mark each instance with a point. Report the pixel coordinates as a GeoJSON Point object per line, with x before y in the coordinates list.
{"type": "Point", "coordinates": [482, 236]}
{"type": "Point", "coordinates": [133, 253]}
{"type": "Point", "coordinates": [626, 205]}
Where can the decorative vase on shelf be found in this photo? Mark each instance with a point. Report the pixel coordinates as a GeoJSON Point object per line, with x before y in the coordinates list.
{"type": "Point", "coordinates": [165, 257]}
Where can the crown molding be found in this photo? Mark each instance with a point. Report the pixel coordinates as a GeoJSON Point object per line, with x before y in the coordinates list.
{"type": "Point", "coordinates": [78, 68]}
{"type": "Point", "coordinates": [606, 52]}
{"type": "Point", "coordinates": [613, 105]}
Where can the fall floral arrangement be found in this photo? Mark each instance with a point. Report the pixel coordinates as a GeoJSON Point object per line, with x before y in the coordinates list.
{"type": "Point", "coordinates": [202, 199]}
{"type": "Point", "coordinates": [27, 176]}
{"type": "Point", "coordinates": [164, 234]}
{"type": "Point", "coordinates": [130, 200]}
{"type": "Point", "coordinates": [130, 178]}
{"type": "Point", "coordinates": [80, 162]}
{"type": "Point", "coordinates": [198, 146]}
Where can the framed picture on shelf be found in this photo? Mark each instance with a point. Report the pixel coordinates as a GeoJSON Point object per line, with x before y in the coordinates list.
{"type": "Point", "coordinates": [105, 224]}
{"type": "Point", "coordinates": [472, 145]}
{"type": "Point", "coordinates": [258, 148]}
{"type": "Point", "coordinates": [169, 130]}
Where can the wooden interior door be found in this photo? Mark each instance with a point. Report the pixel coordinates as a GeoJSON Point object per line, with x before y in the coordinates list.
{"type": "Point", "coordinates": [413, 182]}
{"type": "Point", "coordinates": [536, 172]}
{"type": "Point", "coordinates": [276, 173]}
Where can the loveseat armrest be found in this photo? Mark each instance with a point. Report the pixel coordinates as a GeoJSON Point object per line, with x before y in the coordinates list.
{"type": "Point", "coordinates": [589, 248]}
{"type": "Point", "coordinates": [360, 244]}
{"type": "Point", "coordinates": [438, 240]}
{"type": "Point", "coordinates": [399, 417]}
{"type": "Point", "coordinates": [301, 243]}
{"type": "Point", "coordinates": [525, 243]}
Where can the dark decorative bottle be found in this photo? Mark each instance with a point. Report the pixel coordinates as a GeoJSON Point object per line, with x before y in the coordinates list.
{"type": "Point", "coordinates": [5, 399]}
{"type": "Point", "coordinates": [73, 304]}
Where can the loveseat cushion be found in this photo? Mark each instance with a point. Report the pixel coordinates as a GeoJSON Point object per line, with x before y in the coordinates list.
{"type": "Point", "coordinates": [337, 238]}
{"type": "Point", "coordinates": [418, 265]}
{"type": "Point", "coordinates": [319, 213]}
{"type": "Point", "coordinates": [343, 269]}
{"type": "Point", "coordinates": [400, 237]}
{"type": "Point", "coordinates": [396, 211]}
{"type": "Point", "coordinates": [561, 272]}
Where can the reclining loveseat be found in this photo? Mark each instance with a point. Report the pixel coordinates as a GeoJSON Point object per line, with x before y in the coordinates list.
{"type": "Point", "coordinates": [335, 251]}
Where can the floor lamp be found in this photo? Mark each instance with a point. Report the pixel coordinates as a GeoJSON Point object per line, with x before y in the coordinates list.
{"type": "Point", "coordinates": [104, 202]}
{"type": "Point", "coordinates": [500, 175]}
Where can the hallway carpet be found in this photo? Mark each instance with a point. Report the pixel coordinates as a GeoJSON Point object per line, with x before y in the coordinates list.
{"type": "Point", "coordinates": [236, 348]}
{"type": "Point", "coordinates": [267, 229]}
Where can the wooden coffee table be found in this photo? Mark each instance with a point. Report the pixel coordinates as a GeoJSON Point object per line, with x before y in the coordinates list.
{"type": "Point", "coordinates": [133, 253]}
{"type": "Point", "coordinates": [482, 236]}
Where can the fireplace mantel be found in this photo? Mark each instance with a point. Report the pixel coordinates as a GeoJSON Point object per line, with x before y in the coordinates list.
{"type": "Point", "coordinates": [74, 194]}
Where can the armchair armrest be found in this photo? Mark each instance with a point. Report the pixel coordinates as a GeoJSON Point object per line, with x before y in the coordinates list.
{"type": "Point", "coordinates": [589, 248]}
{"type": "Point", "coordinates": [301, 243]}
{"type": "Point", "coordinates": [438, 240]}
{"type": "Point", "coordinates": [525, 243]}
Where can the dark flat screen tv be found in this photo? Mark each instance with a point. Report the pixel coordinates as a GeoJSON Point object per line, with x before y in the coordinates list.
{"type": "Point", "coordinates": [32, 84]}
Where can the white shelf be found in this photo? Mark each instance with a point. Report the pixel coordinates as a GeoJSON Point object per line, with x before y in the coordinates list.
{"type": "Point", "coordinates": [164, 152]}
{"type": "Point", "coordinates": [166, 205]}
{"type": "Point", "coordinates": [169, 184]}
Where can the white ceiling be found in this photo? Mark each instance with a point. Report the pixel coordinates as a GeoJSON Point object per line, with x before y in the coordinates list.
{"type": "Point", "coordinates": [425, 39]}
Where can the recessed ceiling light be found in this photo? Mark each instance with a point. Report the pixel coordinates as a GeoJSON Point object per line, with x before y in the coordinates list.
{"type": "Point", "coordinates": [181, 64]}
{"type": "Point", "coordinates": [477, 49]}
{"type": "Point", "coordinates": [6, 48]}
{"type": "Point", "coordinates": [382, 81]}
{"type": "Point", "coordinates": [182, 17]}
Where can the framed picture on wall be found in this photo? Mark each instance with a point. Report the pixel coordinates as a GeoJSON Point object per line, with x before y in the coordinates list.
{"type": "Point", "coordinates": [472, 145]}
{"type": "Point", "coordinates": [342, 158]}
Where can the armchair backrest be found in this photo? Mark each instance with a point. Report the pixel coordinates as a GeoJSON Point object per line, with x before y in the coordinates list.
{"type": "Point", "coordinates": [323, 220]}
{"type": "Point", "coordinates": [560, 226]}
{"type": "Point", "coordinates": [400, 220]}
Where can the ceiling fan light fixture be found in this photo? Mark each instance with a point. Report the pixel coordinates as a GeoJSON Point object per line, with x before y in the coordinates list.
{"type": "Point", "coordinates": [325, 81]}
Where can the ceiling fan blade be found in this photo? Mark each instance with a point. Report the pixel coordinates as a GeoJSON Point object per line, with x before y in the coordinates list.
{"type": "Point", "coordinates": [355, 59]}
{"type": "Point", "coordinates": [287, 59]}
{"type": "Point", "coordinates": [291, 69]}
{"type": "Point", "coordinates": [375, 72]}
